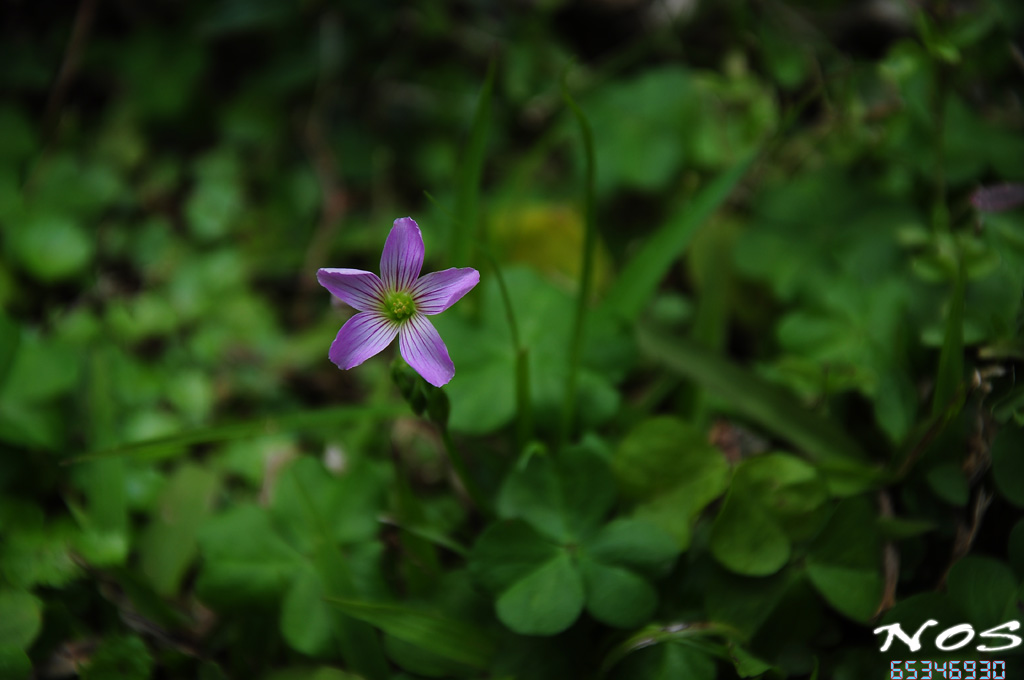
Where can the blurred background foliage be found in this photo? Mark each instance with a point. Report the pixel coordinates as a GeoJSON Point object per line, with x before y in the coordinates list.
{"type": "Point", "coordinates": [796, 414]}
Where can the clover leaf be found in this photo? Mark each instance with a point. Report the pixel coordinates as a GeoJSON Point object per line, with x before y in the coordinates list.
{"type": "Point", "coordinates": [551, 557]}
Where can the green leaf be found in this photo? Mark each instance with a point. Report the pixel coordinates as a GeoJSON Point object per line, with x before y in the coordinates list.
{"type": "Point", "coordinates": [665, 454]}
{"type": "Point", "coordinates": [508, 551]}
{"type": "Point", "coordinates": [1015, 549]}
{"type": "Point", "coordinates": [788, 488]}
{"type": "Point", "coordinates": [305, 619]}
{"type": "Point", "coordinates": [743, 602]}
{"type": "Point", "coordinates": [169, 543]}
{"type": "Point", "coordinates": [841, 459]}
{"type": "Point", "coordinates": [307, 496]}
{"type": "Point", "coordinates": [566, 497]}
{"type": "Point", "coordinates": [546, 601]}
{"type": "Point", "coordinates": [948, 482]}
{"type": "Point", "coordinates": [244, 559]}
{"type": "Point", "coordinates": [640, 128]}
{"type": "Point", "coordinates": [844, 563]}
{"type": "Point", "coordinates": [985, 589]}
{"type": "Point", "coordinates": [641, 276]}
{"type": "Point", "coordinates": [483, 398]}
{"type": "Point", "coordinates": [120, 657]}
{"type": "Point", "coordinates": [21, 618]}
{"type": "Point", "coordinates": [639, 545]}
{"type": "Point", "coordinates": [14, 663]}
{"type": "Point", "coordinates": [52, 247]}
{"type": "Point", "coordinates": [668, 661]}
{"type": "Point", "coordinates": [746, 540]}
{"type": "Point", "coordinates": [39, 556]}
{"type": "Point", "coordinates": [10, 339]}
{"type": "Point", "coordinates": [453, 640]}
{"type": "Point", "coordinates": [1008, 464]}
{"type": "Point", "coordinates": [617, 596]}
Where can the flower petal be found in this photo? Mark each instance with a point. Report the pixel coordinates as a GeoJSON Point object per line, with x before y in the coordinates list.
{"type": "Point", "coordinates": [402, 259]}
{"type": "Point", "coordinates": [362, 336]}
{"type": "Point", "coordinates": [438, 291]}
{"type": "Point", "coordinates": [423, 349]}
{"type": "Point", "coordinates": [362, 290]}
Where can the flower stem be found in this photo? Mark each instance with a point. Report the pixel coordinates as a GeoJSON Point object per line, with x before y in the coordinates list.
{"type": "Point", "coordinates": [583, 295]}
{"type": "Point", "coordinates": [462, 472]}
{"type": "Point", "coordinates": [524, 414]}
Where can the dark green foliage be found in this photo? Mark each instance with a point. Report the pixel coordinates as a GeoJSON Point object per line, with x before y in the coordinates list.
{"type": "Point", "coordinates": [738, 384]}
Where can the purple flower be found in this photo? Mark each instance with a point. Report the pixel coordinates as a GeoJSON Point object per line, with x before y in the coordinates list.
{"type": "Point", "coordinates": [397, 303]}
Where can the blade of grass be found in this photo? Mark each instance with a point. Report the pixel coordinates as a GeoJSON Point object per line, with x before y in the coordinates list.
{"type": "Point", "coordinates": [312, 419]}
{"type": "Point", "coordinates": [645, 270]}
{"type": "Point", "coordinates": [468, 198]}
{"type": "Point", "coordinates": [762, 402]}
{"type": "Point", "coordinates": [451, 639]}
{"type": "Point", "coordinates": [586, 271]}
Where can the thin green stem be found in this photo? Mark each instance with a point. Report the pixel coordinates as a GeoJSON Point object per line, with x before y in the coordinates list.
{"type": "Point", "coordinates": [462, 472]}
{"type": "Point", "coordinates": [583, 295]}
{"type": "Point", "coordinates": [524, 413]}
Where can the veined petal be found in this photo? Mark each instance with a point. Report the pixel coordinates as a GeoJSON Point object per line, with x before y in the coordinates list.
{"type": "Point", "coordinates": [423, 349]}
{"type": "Point", "coordinates": [402, 259]}
{"type": "Point", "coordinates": [362, 290]}
{"type": "Point", "coordinates": [438, 291]}
{"type": "Point", "coordinates": [362, 336]}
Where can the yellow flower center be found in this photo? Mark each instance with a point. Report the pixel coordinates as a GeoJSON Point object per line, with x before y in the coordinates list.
{"type": "Point", "coordinates": [399, 306]}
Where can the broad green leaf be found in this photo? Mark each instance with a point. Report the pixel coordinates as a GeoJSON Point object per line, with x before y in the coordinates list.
{"type": "Point", "coordinates": [643, 273]}
{"type": "Point", "coordinates": [120, 657]}
{"type": "Point", "coordinates": [52, 247]}
{"type": "Point", "coordinates": [668, 661]}
{"type": "Point", "coordinates": [10, 339]}
{"type": "Point", "coordinates": [546, 601]}
{"type": "Point", "coordinates": [746, 540]}
{"type": "Point", "coordinates": [617, 596]}
{"type": "Point", "coordinates": [507, 552]}
{"type": "Point", "coordinates": [640, 128]}
{"type": "Point", "coordinates": [565, 497]}
{"type": "Point", "coordinates": [845, 561]}
{"type": "Point", "coordinates": [1015, 549]}
{"type": "Point", "coordinates": [639, 545]}
{"type": "Point", "coordinates": [451, 639]}
{"type": "Point", "coordinates": [663, 453]}
{"type": "Point", "coordinates": [169, 543]}
{"type": "Point", "coordinates": [744, 602]}
{"type": "Point", "coordinates": [21, 618]}
{"type": "Point", "coordinates": [483, 398]}
{"type": "Point", "coordinates": [948, 482]}
{"type": "Point", "coordinates": [841, 458]}
{"type": "Point", "coordinates": [14, 663]}
{"type": "Point", "coordinates": [309, 500]}
{"type": "Point", "coordinates": [39, 555]}
{"type": "Point", "coordinates": [985, 589]}
{"type": "Point", "coordinates": [788, 488]}
{"type": "Point", "coordinates": [305, 618]}
{"type": "Point", "coordinates": [673, 471]}
{"type": "Point", "coordinates": [244, 559]}
{"type": "Point", "coordinates": [311, 673]}
{"type": "Point", "coordinates": [1008, 464]}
